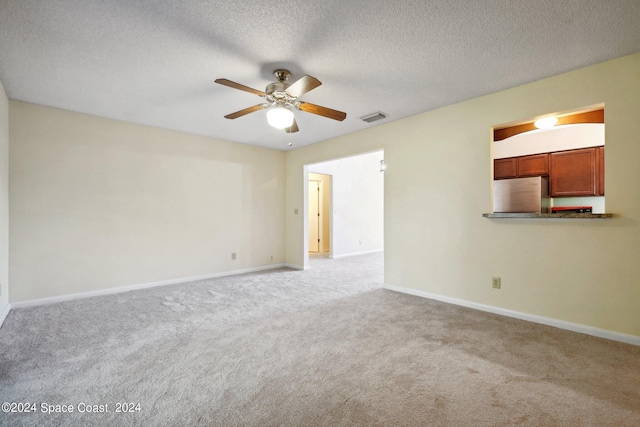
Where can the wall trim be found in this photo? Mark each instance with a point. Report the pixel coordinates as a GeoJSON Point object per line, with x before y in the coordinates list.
{"type": "Point", "coordinates": [121, 289]}
{"type": "Point", "coordinates": [4, 315]}
{"type": "Point", "coordinates": [574, 327]}
{"type": "Point", "coordinates": [295, 266]}
{"type": "Point", "coordinates": [356, 254]}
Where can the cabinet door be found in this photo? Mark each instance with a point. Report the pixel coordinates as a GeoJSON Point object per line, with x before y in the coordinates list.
{"type": "Point", "coordinates": [573, 173]}
{"type": "Point", "coordinates": [600, 171]}
{"type": "Point", "coordinates": [535, 165]}
{"type": "Point", "coordinates": [504, 168]}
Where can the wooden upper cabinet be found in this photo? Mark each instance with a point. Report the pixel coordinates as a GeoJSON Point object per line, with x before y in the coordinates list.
{"type": "Point", "coordinates": [600, 171]}
{"type": "Point", "coordinates": [573, 173]}
{"type": "Point", "coordinates": [517, 167]}
{"type": "Point", "coordinates": [505, 168]}
{"type": "Point", "coordinates": [535, 165]}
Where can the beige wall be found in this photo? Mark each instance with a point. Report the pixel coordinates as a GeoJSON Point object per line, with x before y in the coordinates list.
{"type": "Point", "coordinates": [437, 185]}
{"type": "Point", "coordinates": [98, 203]}
{"type": "Point", "coordinates": [4, 202]}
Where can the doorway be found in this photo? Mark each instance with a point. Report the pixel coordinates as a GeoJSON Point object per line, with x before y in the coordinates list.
{"type": "Point", "coordinates": [318, 213]}
{"type": "Point", "coordinates": [351, 208]}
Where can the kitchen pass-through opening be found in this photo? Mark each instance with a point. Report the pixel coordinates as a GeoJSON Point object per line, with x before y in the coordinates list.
{"type": "Point", "coordinates": [557, 166]}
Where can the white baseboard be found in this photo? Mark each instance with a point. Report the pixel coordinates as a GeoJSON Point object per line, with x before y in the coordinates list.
{"type": "Point", "coordinates": [356, 254]}
{"type": "Point", "coordinates": [121, 289]}
{"type": "Point", "coordinates": [575, 327]}
{"type": "Point", "coordinates": [296, 267]}
{"type": "Point", "coordinates": [4, 314]}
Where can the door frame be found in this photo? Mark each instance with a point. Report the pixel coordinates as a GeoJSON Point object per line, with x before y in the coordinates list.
{"type": "Point", "coordinates": [320, 206]}
{"type": "Point", "coordinates": [305, 214]}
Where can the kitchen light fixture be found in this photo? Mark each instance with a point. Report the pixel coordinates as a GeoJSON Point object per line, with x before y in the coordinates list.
{"type": "Point", "coordinates": [383, 166]}
{"type": "Point", "coordinates": [280, 117]}
{"type": "Point", "coordinates": [546, 122]}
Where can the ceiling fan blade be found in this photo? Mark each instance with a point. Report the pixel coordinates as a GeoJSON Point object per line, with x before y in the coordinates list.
{"type": "Point", "coordinates": [235, 85]}
{"type": "Point", "coordinates": [246, 111]}
{"type": "Point", "coordinates": [322, 111]}
{"type": "Point", "coordinates": [303, 85]}
{"type": "Point", "coordinates": [293, 128]}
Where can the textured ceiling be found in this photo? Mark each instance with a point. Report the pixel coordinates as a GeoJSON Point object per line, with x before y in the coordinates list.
{"type": "Point", "coordinates": [155, 62]}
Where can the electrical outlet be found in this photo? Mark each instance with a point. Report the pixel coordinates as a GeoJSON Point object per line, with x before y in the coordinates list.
{"type": "Point", "coordinates": [496, 283]}
{"type": "Point", "coordinates": [233, 255]}
{"type": "Point", "coordinates": [271, 257]}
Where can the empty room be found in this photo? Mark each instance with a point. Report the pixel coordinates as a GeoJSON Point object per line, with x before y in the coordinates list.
{"type": "Point", "coordinates": [297, 213]}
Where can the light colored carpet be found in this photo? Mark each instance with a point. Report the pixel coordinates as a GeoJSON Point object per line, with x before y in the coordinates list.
{"type": "Point", "coordinates": [325, 346]}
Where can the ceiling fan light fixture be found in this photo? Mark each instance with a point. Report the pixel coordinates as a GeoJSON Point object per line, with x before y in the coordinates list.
{"type": "Point", "coordinates": [280, 117]}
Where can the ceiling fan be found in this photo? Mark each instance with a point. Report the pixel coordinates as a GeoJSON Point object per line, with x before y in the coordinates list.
{"type": "Point", "coordinates": [282, 98]}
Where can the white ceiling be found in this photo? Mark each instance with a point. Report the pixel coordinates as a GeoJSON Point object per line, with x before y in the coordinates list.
{"type": "Point", "coordinates": [154, 62]}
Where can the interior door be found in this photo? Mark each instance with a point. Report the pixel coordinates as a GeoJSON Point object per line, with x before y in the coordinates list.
{"type": "Point", "coordinates": [314, 216]}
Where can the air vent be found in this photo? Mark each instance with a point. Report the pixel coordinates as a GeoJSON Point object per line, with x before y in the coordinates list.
{"type": "Point", "coordinates": [373, 117]}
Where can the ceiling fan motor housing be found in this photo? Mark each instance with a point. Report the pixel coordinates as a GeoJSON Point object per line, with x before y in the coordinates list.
{"type": "Point", "coordinates": [276, 89]}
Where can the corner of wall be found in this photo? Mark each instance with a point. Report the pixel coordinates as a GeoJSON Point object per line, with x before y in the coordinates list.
{"type": "Point", "coordinates": [4, 204]}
